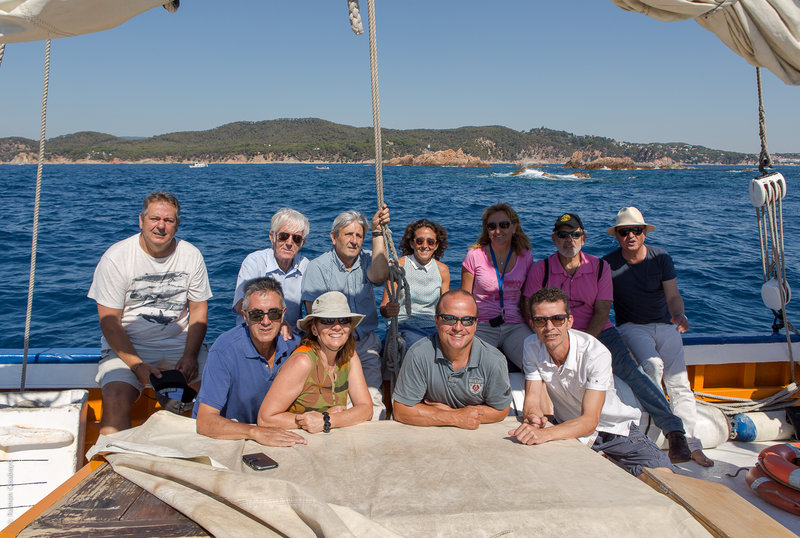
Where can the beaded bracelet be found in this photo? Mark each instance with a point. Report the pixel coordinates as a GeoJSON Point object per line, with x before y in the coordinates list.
{"type": "Point", "coordinates": [326, 419]}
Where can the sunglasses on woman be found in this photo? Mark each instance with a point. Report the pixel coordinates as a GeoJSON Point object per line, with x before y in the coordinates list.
{"type": "Point", "coordinates": [557, 320]}
{"type": "Point", "coordinates": [466, 321]}
{"type": "Point", "coordinates": [623, 232]}
{"type": "Point", "coordinates": [273, 314]}
{"type": "Point", "coordinates": [422, 240]}
{"type": "Point", "coordinates": [297, 238]}
{"type": "Point", "coordinates": [334, 321]}
{"type": "Point", "coordinates": [504, 225]}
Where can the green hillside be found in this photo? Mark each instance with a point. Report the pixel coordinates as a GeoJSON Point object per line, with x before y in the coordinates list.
{"type": "Point", "coordinates": [312, 139]}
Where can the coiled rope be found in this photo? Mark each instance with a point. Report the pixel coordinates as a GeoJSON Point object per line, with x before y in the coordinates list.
{"type": "Point", "coordinates": [392, 349]}
{"type": "Point", "coordinates": [35, 232]}
{"type": "Point", "coordinates": [732, 406]}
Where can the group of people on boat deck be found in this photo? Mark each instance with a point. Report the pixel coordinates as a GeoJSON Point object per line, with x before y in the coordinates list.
{"type": "Point", "coordinates": [278, 370]}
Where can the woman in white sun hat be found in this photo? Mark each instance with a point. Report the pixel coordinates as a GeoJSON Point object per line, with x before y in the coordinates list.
{"type": "Point", "coordinates": [311, 389]}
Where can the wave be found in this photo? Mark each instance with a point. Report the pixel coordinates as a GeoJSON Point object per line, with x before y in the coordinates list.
{"type": "Point", "coordinates": [539, 174]}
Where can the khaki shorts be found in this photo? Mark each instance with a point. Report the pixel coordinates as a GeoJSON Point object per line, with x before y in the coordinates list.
{"type": "Point", "coordinates": [111, 368]}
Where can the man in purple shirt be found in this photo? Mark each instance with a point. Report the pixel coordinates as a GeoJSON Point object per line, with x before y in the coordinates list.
{"type": "Point", "coordinates": [586, 280]}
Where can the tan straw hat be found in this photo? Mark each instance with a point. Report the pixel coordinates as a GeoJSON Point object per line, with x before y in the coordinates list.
{"type": "Point", "coordinates": [630, 216]}
{"type": "Point", "coordinates": [332, 304]}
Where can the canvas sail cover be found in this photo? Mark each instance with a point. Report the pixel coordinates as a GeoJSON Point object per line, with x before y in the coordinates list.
{"type": "Point", "coordinates": [384, 478]}
{"type": "Point", "coordinates": [34, 20]}
{"type": "Point", "coordinates": [766, 33]}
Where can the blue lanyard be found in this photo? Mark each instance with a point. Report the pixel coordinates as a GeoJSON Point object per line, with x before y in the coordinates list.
{"type": "Point", "coordinates": [500, 277]}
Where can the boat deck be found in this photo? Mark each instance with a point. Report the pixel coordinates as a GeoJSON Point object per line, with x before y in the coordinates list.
{"type": "Point", "coordinates": [103, 503]}
{"type": "Point", "coordinates": [727, 459]}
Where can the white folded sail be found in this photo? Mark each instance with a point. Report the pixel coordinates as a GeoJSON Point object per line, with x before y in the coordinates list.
{"type": "Point", "coordinates": [35, 20]}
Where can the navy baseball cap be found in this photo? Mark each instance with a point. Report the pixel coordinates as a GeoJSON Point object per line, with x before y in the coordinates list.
{"type": "Point", "coordinates": [568, 219]}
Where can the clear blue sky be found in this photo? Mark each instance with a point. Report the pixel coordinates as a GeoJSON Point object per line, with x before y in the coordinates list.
{"type": "Point", "coordinates": [583, 66]}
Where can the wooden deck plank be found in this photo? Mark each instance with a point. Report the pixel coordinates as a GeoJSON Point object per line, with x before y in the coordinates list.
{"type": "Point", "coordinates": [104, 504]}
{"type": "Point", "coordinates": [721, 511]}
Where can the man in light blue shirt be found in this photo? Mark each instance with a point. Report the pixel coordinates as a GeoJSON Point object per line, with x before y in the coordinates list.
{"type": "Point", "coordinates": [288, 232]}
{"type": "Point", "coordinates": [353, 271]}
{"type": "Point", "coordinates": [240, 368]}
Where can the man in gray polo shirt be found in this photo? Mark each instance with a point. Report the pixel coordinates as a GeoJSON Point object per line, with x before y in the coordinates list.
{"type": "Point", "coordinates": [452, 378]}
{"type": "Point", "coordinates": [353, 271]}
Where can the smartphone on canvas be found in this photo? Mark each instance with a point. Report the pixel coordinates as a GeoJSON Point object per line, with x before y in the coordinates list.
{"type": "Point", "coordinates": [259, 461]}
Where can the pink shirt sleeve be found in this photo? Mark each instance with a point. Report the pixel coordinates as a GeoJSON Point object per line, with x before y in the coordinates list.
{"type": "Point", "coordinates": [533, 282]}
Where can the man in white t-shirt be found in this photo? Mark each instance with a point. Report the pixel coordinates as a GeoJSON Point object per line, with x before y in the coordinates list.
{"type": "Point", "coordinates": [576, 370]}
{"type": "Point", "coordinates": [151, 291]}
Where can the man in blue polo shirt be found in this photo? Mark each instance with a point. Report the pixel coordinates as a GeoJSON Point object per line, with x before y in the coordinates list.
{"type": "Point", "coordinates": [240, 368]}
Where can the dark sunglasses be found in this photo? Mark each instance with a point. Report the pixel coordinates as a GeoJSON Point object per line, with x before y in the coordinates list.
{"type": "Point", "coordinates": [273, 314]}
{"type": "Point", "coordinates": [466, 321]}
{"type": "Point", "coordinates": [504, 225]}
{"type": "Point", "coordinates": [557, 320]}
{"type": "Point", "coordinates": [334, 321]}
{"type": "Point", "coordinates": [623, 232]}
{"type": "Point", "coordinates": [297, 238]}
{"type": "Point", "coordinates": [577, 234]}
{"type": "Point", "coordinates": [422, 240]}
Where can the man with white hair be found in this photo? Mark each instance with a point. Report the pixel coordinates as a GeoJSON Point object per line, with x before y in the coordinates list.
{"type": "Point", "coordinates": [353, 271]}
{"type": "Point", "coordinates": [650, 315]}
{"type": "Point", "coordinates": [288, 232]}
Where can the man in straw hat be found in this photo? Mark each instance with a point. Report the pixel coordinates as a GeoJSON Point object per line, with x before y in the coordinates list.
{"type": "Point", "coordinates": [650, 315]}
{"type": "Point", "coordinates": [586, 281]}
{"type": "Point", "coordinates": [452, 378]}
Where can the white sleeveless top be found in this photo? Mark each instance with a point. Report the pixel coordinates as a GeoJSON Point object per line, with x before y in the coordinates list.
{"type": "Point", "coordinates": [425, 287]}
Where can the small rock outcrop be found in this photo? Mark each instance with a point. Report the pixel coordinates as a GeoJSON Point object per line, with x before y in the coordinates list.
{"type": "Point", "coordinates": [446, 157]}
{"type": "Point", "coordinates": [612, 163]}
{"type": "Point", "coordinates": [616, 163]}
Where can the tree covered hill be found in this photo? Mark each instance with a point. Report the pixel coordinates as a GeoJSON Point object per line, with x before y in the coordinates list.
{"type": "Point", "coordinates": [312, 139]}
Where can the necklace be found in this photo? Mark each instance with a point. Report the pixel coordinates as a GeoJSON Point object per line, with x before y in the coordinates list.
{"type": "Point", "coordinates": [332, 373]}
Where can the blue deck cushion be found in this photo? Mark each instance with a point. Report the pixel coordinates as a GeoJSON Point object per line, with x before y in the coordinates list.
{"type": "Point", "coordinates": [52, 355]}
{"type": "Point", "coordinates": [721, 339]}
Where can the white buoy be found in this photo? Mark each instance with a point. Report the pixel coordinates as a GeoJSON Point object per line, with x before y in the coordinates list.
{"type": "Point", "coordinates": [761, 426]}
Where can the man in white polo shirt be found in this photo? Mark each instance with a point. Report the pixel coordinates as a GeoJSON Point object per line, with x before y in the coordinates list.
{"type": "Point", "coordinates": [576, 370]}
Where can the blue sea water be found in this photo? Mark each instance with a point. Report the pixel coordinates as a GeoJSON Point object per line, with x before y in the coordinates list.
{"type": "Point", "coordinates": [703, 218]}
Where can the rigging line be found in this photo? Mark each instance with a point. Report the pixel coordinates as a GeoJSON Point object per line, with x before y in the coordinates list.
{"type": "Point", "coordinates": [764, 159]}
{"type": "Point", "coordinates": [2, 52]}
{"type": "Point", "coordinates": [35, 232]}
{"type": "Point", "coordinates": [396, 273]}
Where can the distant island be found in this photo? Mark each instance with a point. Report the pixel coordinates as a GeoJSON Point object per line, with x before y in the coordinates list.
{"type": "Point", "coordinates": [318, 141]}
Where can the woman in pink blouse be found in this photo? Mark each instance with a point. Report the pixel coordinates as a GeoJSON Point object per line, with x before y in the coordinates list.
{"type": "Point", "coordinates": [494, 272]}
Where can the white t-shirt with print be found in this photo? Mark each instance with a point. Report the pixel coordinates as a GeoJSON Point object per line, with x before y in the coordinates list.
{"type": "Point", "coordinates": [153, 293]}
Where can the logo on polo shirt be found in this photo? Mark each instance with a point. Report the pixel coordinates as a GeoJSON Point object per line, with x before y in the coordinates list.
{"type": "Point", "coordinates": [476, 385]}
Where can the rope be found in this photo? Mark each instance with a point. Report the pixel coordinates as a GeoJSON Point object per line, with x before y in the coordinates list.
{"type": "Point", "coordinates": [2, 52]}
{"type": "Point", "coordinates": [35, 232]}
{"type": "Point", "coordinates": [355, 17]}
{"type": "Point", "coordinates": [733, 406]}
{"type": "Point", "coordinates": [764, 159]}
{"type": "Point", "coordinates": [397, 279]}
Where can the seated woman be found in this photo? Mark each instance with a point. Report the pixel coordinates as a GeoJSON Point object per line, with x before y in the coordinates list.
{"type": "Point", "coordinates": [494, 271]}
{"type": "Point", "coordinates": [311, 389]}
{"type": "Point", "coordinates": [427, 279]}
